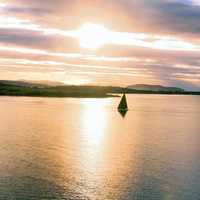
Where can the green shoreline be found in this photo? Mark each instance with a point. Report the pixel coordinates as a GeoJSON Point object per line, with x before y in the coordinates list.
{"type": "Point", "coordinates": [77, 91]}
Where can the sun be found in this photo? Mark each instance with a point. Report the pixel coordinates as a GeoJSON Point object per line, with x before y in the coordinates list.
{"type": "Point", "coordinates": [92, 36]}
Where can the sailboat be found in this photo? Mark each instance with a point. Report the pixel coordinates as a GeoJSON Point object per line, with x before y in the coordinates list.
{"type": "Point", "coordinates": [123, 107]}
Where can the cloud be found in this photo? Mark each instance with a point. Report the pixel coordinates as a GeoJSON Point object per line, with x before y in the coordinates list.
{"type": "Point", "coordinates": [154, 16]}
{"type": "Point", "coordinates": [155, 41]}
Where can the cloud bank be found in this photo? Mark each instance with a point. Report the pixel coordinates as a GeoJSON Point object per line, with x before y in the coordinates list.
{"type": "Point", "coordinates": [157, 42]}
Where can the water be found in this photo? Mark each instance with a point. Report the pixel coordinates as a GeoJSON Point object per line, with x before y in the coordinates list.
{"type": "Point", "coordinates": [56, 149]}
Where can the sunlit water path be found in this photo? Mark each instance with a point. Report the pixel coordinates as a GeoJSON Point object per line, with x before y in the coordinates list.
{"type": "Point", "coordinates": [54, 149]}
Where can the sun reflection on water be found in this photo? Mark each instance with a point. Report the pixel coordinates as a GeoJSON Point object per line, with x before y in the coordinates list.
{"type": "Point", "coordinates": [94, 126]}
{"type": "Point", "coordinates": [94, 121]}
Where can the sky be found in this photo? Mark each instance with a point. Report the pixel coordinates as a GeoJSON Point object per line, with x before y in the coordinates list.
{"type": "Point", "coordinates": [101, 42]}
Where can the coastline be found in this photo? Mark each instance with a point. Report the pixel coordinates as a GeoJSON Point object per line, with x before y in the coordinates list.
{"type": "Point", "coordinates": [79, 91]}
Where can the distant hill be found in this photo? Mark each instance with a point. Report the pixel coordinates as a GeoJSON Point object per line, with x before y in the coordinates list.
{"type": "Point", "coordinates": [155, 88]}
{"type": "Point", "coordinates": [56, 89]}
{"type": "Point", "coordinates": [20, 83]}
{"type": "Point", "coordinates": [137, 87]}
{"type": "Point", "coordinates": [24, 83]}
{"type": "Point", "coordinates": [51, 89]}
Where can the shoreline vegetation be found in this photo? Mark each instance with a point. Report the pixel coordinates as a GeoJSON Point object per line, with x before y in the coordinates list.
{"type": "Point", "coordinates": [15, 88]}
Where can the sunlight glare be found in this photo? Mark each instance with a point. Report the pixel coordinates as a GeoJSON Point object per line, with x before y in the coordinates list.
{"type": "Point", "coordinates": [94, 126]}
{"type": "Point", "coordinates": [93, 36]}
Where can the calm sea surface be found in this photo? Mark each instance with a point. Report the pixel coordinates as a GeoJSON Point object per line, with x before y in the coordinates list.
{"type": "Point", "coordinates": [79, 149]}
